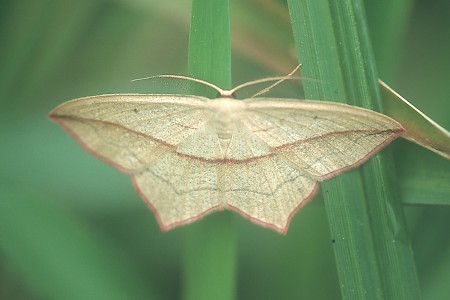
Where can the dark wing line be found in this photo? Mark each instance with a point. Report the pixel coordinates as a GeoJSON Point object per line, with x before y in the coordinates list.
{"type": "Point", "coordinates": [367, 132]}
{"type": "Point", "coordinates": [330, 146]}
{"type": "Point", "coordinates": [172, 148]}
{"type": "Point", "coordinates": [81, 119]}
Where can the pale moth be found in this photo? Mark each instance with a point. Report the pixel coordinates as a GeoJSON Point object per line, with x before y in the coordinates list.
{"type": "Point", "coordinates": [260, 157]}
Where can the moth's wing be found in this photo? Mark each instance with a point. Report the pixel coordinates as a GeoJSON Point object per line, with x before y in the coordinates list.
{"type": "Point", "coordinates": [179, 189]}
{"type": "Point", "coordinates": [267, 191]}
{"type": "Point", "coordinates": [131, 130]}
{"type": "Point", "coordinates": [241, 174]}
{"type": "Point", "coordinates": [321, 138]}
{"type": "Point", "coordinates": [152, 137]}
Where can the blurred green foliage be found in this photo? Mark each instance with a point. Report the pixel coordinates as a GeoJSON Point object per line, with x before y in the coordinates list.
{"type": "Point", "coordinates": [72, 227]}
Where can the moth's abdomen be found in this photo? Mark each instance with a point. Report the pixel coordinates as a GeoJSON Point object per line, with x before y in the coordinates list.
{"type": "Point", "coordinates": [223, 127]}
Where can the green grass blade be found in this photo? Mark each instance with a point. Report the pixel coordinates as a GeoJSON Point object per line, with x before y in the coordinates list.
{"type": "Point", "coordinates": [209, 42]}
{"type": "Point", "coordinates": [388, 23]}
{"type": "Point", "coordinates": [209, 258]}
{"type": "Point", "coordinates": [373, 255]}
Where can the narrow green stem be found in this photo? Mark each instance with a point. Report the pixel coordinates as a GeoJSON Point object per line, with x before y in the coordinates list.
{"type": "Point", "coordinates": [209, 250]}
{"type": "Point", "coordinates": [209, 259]}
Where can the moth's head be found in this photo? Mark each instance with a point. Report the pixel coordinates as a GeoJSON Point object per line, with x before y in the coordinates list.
{"type": "Point", "coordinates": [230, 94]}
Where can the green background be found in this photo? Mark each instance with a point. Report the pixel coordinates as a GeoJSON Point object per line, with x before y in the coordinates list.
{"type": "Point", "coordinates": [72, 227]}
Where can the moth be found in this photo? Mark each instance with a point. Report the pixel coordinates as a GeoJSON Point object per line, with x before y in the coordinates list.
{"type": "Point", "coordinates": [189, 156]}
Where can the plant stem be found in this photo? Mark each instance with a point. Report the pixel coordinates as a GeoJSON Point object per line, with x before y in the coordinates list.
{"type": "Point", "coordinates": [209, 258]}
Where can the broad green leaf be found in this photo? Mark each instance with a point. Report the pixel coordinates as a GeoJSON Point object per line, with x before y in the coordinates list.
{"type": "Point", "coordinates": [373, 255]}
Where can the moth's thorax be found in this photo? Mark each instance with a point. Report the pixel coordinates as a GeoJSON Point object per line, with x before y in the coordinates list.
{"type": "Point", "coordinates": [226, 116]}
{"type": "Point", "coordinates": [227, 105]}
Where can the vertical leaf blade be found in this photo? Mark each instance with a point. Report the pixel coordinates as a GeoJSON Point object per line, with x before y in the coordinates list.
{"type": "Point", "coordinates": [209, 258]}
{"type": "Point", "coordinates": [373, 255]}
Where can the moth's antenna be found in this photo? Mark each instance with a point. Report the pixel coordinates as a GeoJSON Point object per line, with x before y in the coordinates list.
{"type": "Point", "coordinates": [230, 93]}
{"type": "Point", "coordinates": [268, 79]}
{"type": "Point", "coordinates": [221, 92]}
{"type": "Point", "coordinates": [288, 76]}
{"type": "Point", "coordinates": [279, 79]}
